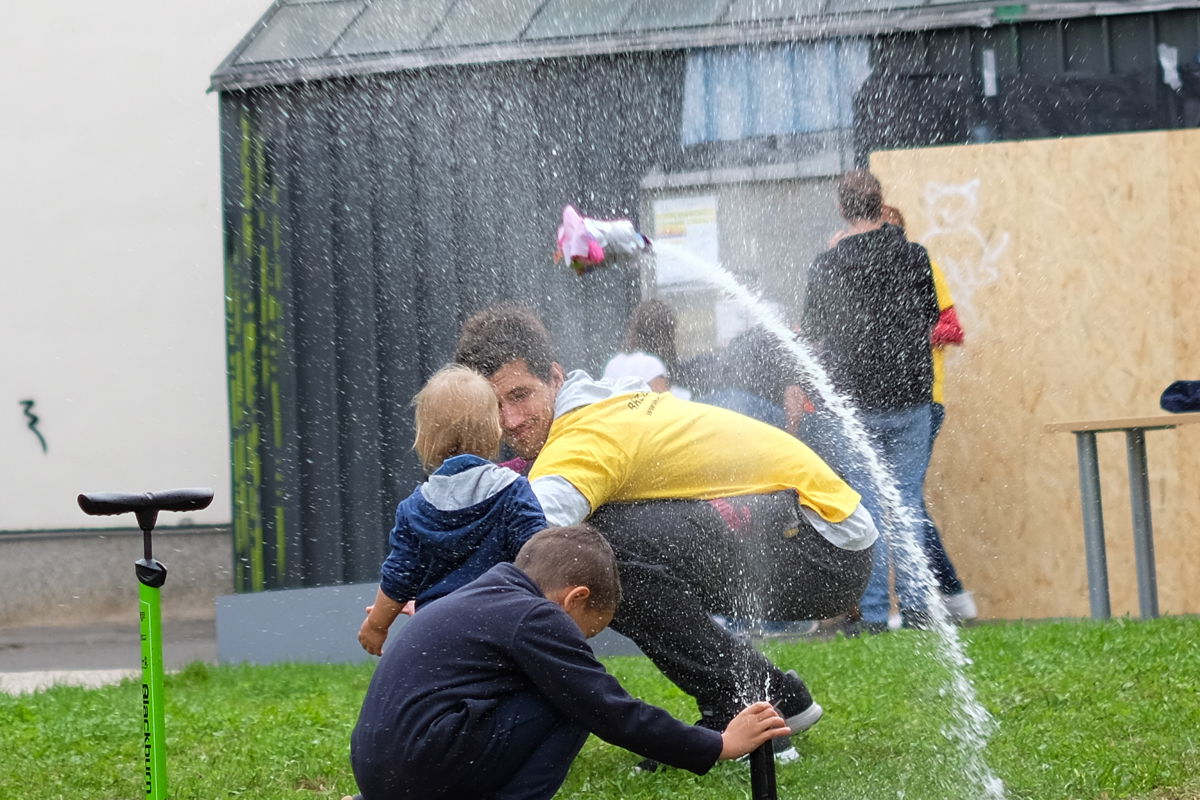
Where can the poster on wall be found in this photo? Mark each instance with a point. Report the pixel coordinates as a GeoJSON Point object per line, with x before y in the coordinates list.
{"type": "Point", "coordinates": [689, 223]}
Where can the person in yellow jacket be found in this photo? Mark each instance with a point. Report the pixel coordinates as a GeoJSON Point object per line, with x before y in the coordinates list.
{"type": "Point", "coordinates": [709, 512]}
{"type": "Point", "coordinates": [946, 333]}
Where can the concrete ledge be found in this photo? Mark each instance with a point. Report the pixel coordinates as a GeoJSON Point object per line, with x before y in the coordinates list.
{"type": "Point", "coordinates": [318, 625]}
{"type": "Point", "coordinates": [79, 577]}
{"type": "Point", "coordinates": [29, 682]}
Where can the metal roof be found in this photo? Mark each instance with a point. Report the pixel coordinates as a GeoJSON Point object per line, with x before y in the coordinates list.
{"type": "Point", "coordinates": [301, 40]}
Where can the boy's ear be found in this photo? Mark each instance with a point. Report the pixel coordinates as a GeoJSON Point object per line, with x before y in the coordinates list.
{"type": "Point", "coordinates": [576, 597]}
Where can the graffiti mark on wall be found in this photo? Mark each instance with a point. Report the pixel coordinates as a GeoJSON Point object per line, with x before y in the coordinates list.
{"type": "Point", "coordinates": [969, 257]}
{"type": "Point", "coordinates": [32, 421]}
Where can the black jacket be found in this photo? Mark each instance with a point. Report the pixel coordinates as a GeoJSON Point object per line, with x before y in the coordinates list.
{"type": "Point", "coordinates": [870, 306]}
{"type": "Point", "coordinates": [429, 708]}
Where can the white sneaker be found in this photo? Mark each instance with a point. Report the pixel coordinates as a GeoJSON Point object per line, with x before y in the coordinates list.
{"type": "Point", "coordinates": [787, 754]}
{"type": "Point", "coordinates": [805, 719]}
{"type": "Point", "coordinates": [961, 606]}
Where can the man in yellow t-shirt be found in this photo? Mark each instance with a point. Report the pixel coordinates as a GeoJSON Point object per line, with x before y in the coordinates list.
{"type": "Point", "coordinates": [708, 511]}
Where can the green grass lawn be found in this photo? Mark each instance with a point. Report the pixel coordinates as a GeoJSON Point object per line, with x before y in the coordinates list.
{"type": "Point", "coordinates": [1084, 710]}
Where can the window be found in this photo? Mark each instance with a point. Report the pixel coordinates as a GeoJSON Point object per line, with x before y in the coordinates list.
{"type": "Point", "coordinates": [745, 92]}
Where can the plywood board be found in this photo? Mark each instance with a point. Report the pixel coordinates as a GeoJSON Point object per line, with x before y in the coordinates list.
{"type": "Point", "coordinates": [1072, 262]}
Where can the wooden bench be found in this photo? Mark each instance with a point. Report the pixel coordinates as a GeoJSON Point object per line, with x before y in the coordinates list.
{"type": "Point", "coordinates": [1134, 429]}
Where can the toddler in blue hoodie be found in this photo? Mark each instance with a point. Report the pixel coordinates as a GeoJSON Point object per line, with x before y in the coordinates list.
{"type": "Point", "coordinates": [470, 515]}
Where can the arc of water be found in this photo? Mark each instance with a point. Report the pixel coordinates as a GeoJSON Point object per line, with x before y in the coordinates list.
{"type": "Point", "coordinates": [973, 728]}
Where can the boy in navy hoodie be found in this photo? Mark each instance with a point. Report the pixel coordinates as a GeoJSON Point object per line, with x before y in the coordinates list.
{"type": "Point", "coordinates": [491, 691]}
{"type": "Point", "coordinates": [469, 515]}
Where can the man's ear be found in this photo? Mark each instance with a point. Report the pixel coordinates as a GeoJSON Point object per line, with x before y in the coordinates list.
{"type": "Point", "coordinates": [556, 375]}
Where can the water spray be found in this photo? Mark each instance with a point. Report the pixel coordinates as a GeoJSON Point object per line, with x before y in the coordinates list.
{"type": "Point", "coordinates": [976, 724]}
{"type": "Point", "coordinates": [587, 244]}
{"type": "Point", "coordinates": [585, 251]}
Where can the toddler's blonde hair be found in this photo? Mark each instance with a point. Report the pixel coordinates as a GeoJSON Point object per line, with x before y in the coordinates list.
{"type": "Point", "coordinates": [456, 413]}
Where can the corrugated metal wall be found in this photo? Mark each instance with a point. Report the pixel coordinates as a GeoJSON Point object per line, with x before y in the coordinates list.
{"type": "Point", "coordinates": [365, 220]}
{"type": "Point", "coordinates": [1113, 44]}
{"type": "Point", "coordinates": [1069, 77]}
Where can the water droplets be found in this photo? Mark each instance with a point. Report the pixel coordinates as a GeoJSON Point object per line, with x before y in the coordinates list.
{"type": "Point", "coordinates": [972, 724]}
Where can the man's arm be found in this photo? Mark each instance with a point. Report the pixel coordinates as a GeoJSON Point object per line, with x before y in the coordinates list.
{"type": "Point", "coordinates": [928, 286]}
{"type": "Point", "coordinates": [855, 532]}
{"type": "Point", "coordinates": [561, 502]}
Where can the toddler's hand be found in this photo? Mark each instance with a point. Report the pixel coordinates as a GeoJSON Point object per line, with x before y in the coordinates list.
{"type": "Point", "coordinates": [372, 637]}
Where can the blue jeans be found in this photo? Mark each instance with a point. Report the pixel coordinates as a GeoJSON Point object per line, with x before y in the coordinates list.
{"type": "Point", "coordinates": [901, 439]}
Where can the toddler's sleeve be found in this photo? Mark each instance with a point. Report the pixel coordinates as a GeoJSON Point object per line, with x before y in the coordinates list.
{"type": "Point", "coordinates": [397, 576]}
{"type": "Point", "coordinates": [524, 516]}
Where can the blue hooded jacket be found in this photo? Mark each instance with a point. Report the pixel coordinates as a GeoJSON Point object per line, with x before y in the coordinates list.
{"type": "Point", "coordinates": [469, 516]}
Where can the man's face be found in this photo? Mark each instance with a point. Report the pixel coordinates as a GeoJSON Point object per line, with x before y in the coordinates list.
{"type": "Point", "coordinates": [526, 405]}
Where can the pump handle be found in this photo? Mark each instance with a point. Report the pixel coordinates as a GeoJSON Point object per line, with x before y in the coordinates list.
{"type": "Point", "coordinates": [109, 503]}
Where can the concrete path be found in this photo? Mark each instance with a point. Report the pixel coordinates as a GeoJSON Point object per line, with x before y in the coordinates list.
{"type": "Point", "coordinates": [94, 655]}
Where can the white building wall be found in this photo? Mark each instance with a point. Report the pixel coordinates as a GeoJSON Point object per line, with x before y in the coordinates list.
{"type": "Point", "coordinates": [111, 306]}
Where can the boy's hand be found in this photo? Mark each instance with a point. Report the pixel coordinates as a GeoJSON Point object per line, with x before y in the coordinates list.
{"type": "Point", "coordinates": [756, 724]}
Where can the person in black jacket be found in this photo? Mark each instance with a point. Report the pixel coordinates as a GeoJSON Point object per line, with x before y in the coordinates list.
{"type": "Point", "coordinates": [491, 691]}
{"type": "Point", "coordinates": [869, 309]}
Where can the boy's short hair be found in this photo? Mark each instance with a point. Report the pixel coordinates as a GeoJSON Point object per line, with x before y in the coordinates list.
{"type": "Point", "coordinates": [860, 196]}
{"type": "Point", "coordinates": [502, 334]}
{"type": "Point", "coordinates": [456, 413]}
{"type": "Point", "coordinates": [576, 555]}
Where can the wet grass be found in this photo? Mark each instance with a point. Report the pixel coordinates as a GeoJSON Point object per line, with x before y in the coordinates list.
{"type": "Point", "coordinates": [1087, 710]}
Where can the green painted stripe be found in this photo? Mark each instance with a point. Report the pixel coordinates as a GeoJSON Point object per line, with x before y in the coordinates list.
{"type": "Point", "coordinates": [280, 542]}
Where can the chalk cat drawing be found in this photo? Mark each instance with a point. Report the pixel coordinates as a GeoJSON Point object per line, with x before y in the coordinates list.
{"type": "Point", "coordinates": [969, 258]}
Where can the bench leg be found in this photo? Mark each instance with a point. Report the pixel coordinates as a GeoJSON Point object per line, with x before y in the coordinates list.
{"type": "Point", "coordinates": [1093, 525]}
{"type": "Point", "coordinates": [1143, 530]}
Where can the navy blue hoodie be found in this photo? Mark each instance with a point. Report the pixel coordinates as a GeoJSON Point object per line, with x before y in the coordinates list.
{"type": "Point", "coordinates": [469, 515]}
{"type": "Point", "coordinates": [429, 711]}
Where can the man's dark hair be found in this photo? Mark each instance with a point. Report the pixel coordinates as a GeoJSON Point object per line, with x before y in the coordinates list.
{"type": "Point", "coordinates": [892, 216]}
{"type": "Point", "coordinates": [499, 335]}
{"type": "Point", "coordinates": [860, 196]}
{"type": "Point", "coordinates": [577, 555]}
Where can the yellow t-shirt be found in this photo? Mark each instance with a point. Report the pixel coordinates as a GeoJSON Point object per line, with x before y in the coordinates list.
{"type": "Point", "coordinates": [944, 301]}
{"type": "Point", "coordinates": [649, 446]}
